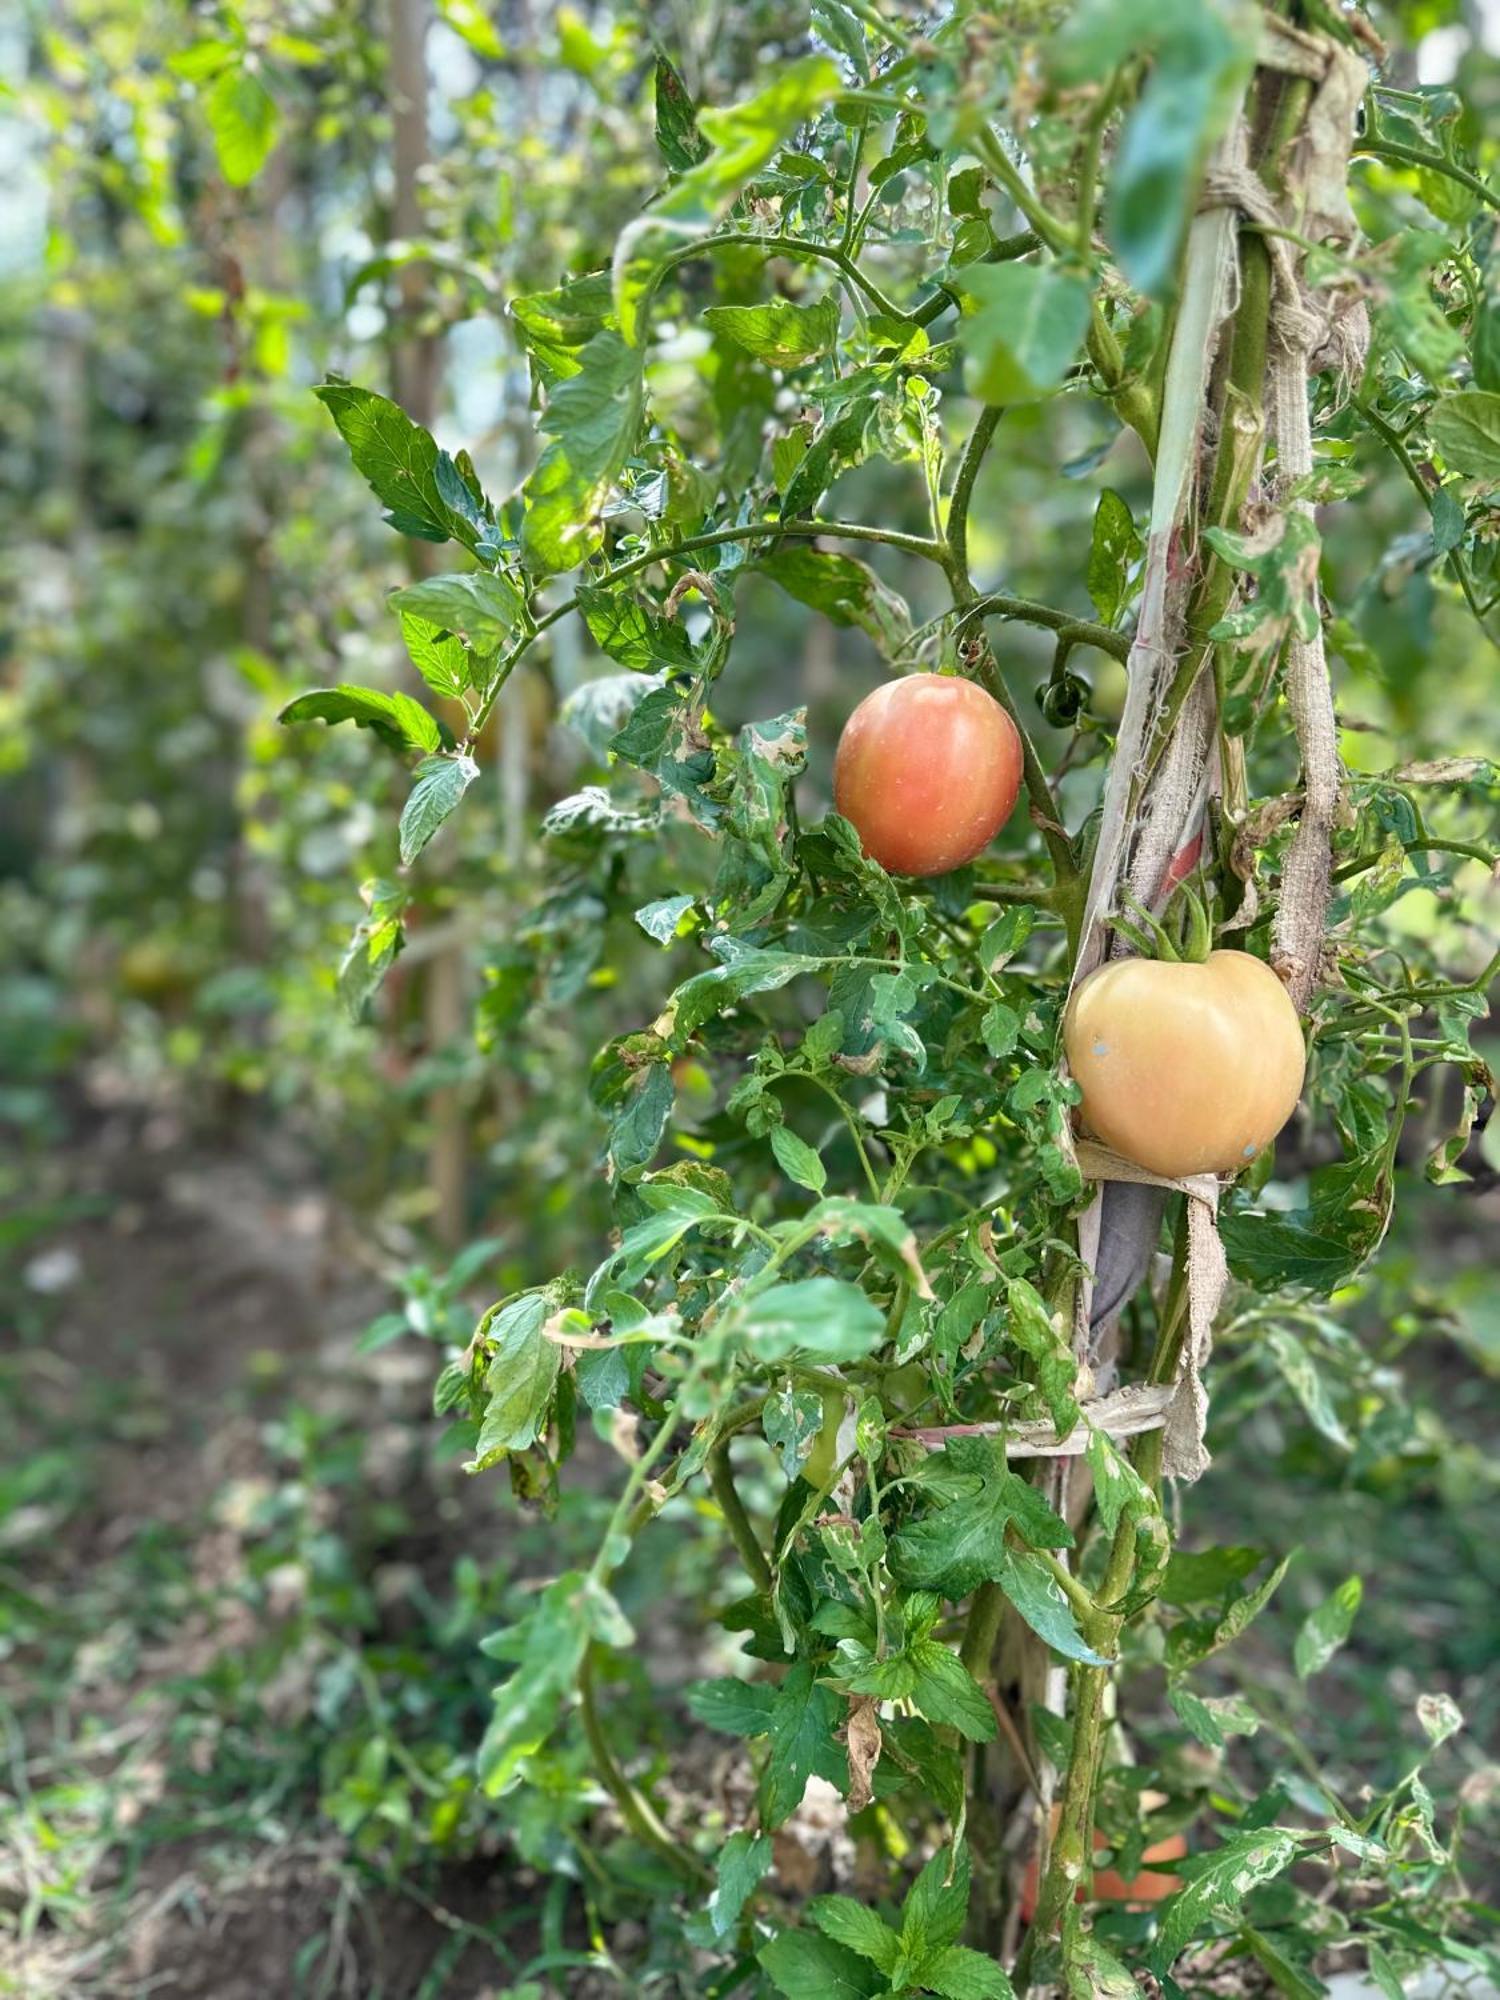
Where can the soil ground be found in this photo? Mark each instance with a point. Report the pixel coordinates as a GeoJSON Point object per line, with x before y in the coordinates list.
{"type": "Point", "coordinates": [164, 1322]}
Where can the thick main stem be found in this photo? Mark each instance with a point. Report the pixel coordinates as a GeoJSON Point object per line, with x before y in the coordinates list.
{"type": "Point", "coordinates": [1072, 1850]}
{"type": "Point", "coordinates": [1228, 483]}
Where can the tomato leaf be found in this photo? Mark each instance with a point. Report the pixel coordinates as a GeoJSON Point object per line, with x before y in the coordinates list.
{"type": "Point", "coordinates": [441, 783]}
{"type": "Point", "coordinates": [395, 718]}
{"type": "Point", "coordinates": [802, 1965]}
{"type": "Point", "coordinates": [1220, 1884]}
{"type": "Point", "coordinates": [481, 609]}
{"type": "Point", "coordinates": [245, 123]}
{"type": "Point", "coordinates": [678, 139]}
{"type": "Point", "coordinates": [1465, 427]}
{"type": "Point", "coordinates": [1325, 1629]}
{"type": "Point", "coordinates": [1025, 325]}
{"type": "Point", "coordinates": [783, 334]}
{"type": "Point", "coordinates": [592, 420]}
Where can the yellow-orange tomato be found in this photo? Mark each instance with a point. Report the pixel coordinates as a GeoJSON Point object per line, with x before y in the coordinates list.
{"type": "Point", "coordinates": [1150, 1886]}
{"type": "Point", "coordinates": [1185, 1069]}
{"type": "Point", "coordinates": [927, 772]}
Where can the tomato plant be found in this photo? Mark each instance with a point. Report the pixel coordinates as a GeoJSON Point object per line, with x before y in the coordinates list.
{"type": "Point", "coordinates": [869, 1307]}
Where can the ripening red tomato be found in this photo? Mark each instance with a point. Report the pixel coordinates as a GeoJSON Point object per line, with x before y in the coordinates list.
{"type": "Point", "coordinates": [1185, 1068]}
{"type": "Point", "coordinates": [927, 771]}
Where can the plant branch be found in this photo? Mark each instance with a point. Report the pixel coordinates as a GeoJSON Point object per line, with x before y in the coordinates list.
{"type": "Point", "coordinates": [635, 1808]}
{"type": "Point", "coordinates": [1396, 444]}
{"type": "Point", "coordinates": [978, 443]}
{"type": "Point", "coordinates": [742, 1534]}
{"type": "Point", "coordinates": [1436, 163]}
{"type": "Point", "coordinates": [785, 246]}
{"type": "Point", "coordinates": [848, 531]}
{"type": "Point", "coordinates": [1424, 844]}
{"type": "Point", "coordinates": [1076, 631]}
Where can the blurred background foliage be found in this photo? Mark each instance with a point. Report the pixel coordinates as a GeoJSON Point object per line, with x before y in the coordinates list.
{"type": "Point", "coordinates": [208, 207]}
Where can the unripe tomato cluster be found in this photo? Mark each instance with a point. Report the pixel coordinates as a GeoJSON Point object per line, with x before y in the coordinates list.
{"type": "Point", "coordinates": [1185, 1068]}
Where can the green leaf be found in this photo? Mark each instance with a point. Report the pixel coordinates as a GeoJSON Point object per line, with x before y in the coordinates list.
{"type": "Point", "coordinates": [1192, 1644]}
{"type": "Point", "coordinates": [678, 139]}
{"type": "Point", "coordinates": [747, 970]}
{"type": "Point", "coordinates": [641, 1118]}
{"type": "Point", "coordinates": [1000, 1029]}
{"type": "Point", "coordinates": [858, 1928]}
{"type": "Point", "coordinates": [520, 1378]}
{"type": "Point", "coordinates": [243, 118]}
{"type": "Point", "coordinates": [1449, 523]}
{"type": "Point", "coordinates": [742, 139]}
{"type": "Point", "coordinates": [372, 950]}
{"type": "Point", "coordinates": [441, 783]}
{"type": "Point", "coordinates": [1186, 102]}
{"type": "Point", "coordinates": [1302, 1377]}
{"type": "Point", "coordinates": [398, 460]}
{"type": "Point", "coordinates": [1220, 1885]}
{"type": "Point", "coordinates": [1026, 327]}
{"type": "Point", "coordinates": [1465, 427]}
{"type": "Point", "coordinates": [1383, 1972]}
{"type": "Point", "coordinates": [780, 333]}
{"type": "Point", "coordinates": [548, 1647]}
{"type": "Point", "coordinates": [438, 657]}
{"type": "Point", "coordinates": [744, 136]}
{"type": "Point", "coordinates": [803, 1718]}
{"type": "Point", "coordinates": [662, 919]}
{"type": "Point", "coordinates": [824, 1319]}
{"type": "Point", "coordinates": [791, 1422]}
{"type": "Point", "coordinates": [1197, 1576]}
{"type": "Point", "coordinates": [797, 1160]}
{"type": "Point", "coordinates": [1031, 1587]}
{"type": "Point", "coordinates": [632, 633]}
{"type": "Point", "coordinates": [739, 1708]}
{"type": "Point", "coordinates": [1406, 309]}
{"type": "Point", "coordinates": [1113, 548]}
{"type": "Point", "coordinates": [963, 1544]}
{"type": "Point", "coordinates": [481, 609]}
{"type": "Point", "coordinates": [592, 418]}
{"type": "Point", "coordinates": [947, 1693]}
{"type": "Point", "coordinates": [843, 589]}
{"type": "Point", "coordinates": [743, 1860]}
{"type": "Point", "coordinates": [961, 1974]}
{"type": "Point", "coordinates": [471, 20]}
{"type": "Point", "coordinates": [1316, 1249]}
{"type": "Point", "coordinates": [843, 30]}
{"type": "Point", "coordinates": [203, 60]}
{"type": "Point", "coordinates": [1215, 1718]}
{"type": "Point", "coordinates": [1286, 1978]}
{"type": "Point", "coordinates": [675, 1210]}
{"type": "Point", "coordinates": [1093, 1972]}
{"type": "Point", "coordinates": [396, 718]}
{"type": "Point", "coordinates": [936, 1905]}
{"type": "Point", "coordinates": [1032, 1328]}
{"type": "Point", "coordinates": [805, 1966]}
{"type": "Point", "coordinates": [1118, 1487]}
{"type": "Point", "coordinates": [555, 327]}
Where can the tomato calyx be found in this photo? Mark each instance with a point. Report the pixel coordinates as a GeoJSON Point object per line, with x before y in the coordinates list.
{"type": "Point", "coordinates": [1152, 937]}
